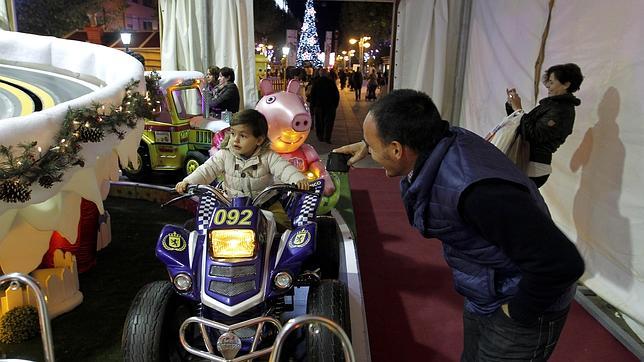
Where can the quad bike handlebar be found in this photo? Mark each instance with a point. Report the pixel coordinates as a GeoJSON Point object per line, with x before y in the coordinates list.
{"type": "Point", "coordinates": [262, 197]}
{"type": "Point", "coordinates": [197, 189]}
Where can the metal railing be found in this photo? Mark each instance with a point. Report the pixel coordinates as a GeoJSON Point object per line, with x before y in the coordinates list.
{"type": "Point", "coordinates": [301, 321]}
{"type": "Point", "coordinates": [43, 316]}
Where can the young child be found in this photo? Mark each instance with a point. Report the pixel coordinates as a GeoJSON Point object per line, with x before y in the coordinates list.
{"type": "Point", "coordinates": [247, 163]}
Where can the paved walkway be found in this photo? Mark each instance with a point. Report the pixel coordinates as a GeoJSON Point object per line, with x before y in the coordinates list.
{"type": "Point", "coordinates": [347, 128]}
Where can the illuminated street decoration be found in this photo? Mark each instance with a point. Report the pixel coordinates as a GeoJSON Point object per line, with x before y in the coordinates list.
{"type": "Point", "coordinates": [309, 48]}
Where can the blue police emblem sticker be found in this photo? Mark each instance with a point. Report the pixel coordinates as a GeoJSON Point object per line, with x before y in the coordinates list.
{"type": "Point", "coordinates": [300, 239]}
{"type": "Point", "coordinates": [174, 242]}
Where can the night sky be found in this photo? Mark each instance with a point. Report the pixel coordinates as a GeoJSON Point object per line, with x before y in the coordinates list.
{"type": "Point", "coordinates": [327, 13]}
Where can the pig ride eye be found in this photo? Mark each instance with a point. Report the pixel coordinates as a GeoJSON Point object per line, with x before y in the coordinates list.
{"type": "Point", "coordinates": [270, 99]}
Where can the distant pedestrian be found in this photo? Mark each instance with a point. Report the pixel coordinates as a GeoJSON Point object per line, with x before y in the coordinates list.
{"type": "Point", "coordinates": [333, 74]}
{"type": "Point", "coordinates": [357, 83]}
{"type": "Point", "coordinates": [381, 80]}
{"type": "Point", "coordinates": [372, 84]}
{"type": "Point", "coordinates": [343, 78]}
{"type": "Point", "coordinates": [324, 100]}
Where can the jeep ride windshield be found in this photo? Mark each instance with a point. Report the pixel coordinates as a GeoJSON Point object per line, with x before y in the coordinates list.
{"type": "Point", "coordinates": [187, 102]}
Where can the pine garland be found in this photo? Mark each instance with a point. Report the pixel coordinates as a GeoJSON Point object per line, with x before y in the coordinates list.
{"type": "Point", "coordinates": [20, 169]}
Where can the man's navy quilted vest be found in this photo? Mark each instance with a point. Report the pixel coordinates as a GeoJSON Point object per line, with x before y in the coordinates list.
{"type": "Point", "coordinates": [481, 271]}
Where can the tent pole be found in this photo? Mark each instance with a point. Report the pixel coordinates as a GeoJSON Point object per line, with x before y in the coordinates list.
{"type": "Point", "coordinates": [461, 63]}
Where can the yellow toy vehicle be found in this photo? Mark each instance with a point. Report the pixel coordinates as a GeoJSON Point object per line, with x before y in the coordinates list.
{"type": "Point", "coordinates": [179, 137]}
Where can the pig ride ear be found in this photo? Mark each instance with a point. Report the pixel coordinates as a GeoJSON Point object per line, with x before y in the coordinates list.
{"type": "Point", "coordinates": [266, 87]}
{"type": "Point", "coordinates": [293, 86]}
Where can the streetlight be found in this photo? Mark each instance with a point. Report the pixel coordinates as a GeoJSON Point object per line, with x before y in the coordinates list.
{"type": "Point", "coordinates": [363, 43]}
{"type": "Point", "coordinates": [352, 53]}
{"type": "Point", "coordinates": [126, 38]}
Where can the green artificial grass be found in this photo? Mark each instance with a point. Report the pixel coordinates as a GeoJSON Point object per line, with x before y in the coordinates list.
{"type": "Point", "coordinates": [345, 205]}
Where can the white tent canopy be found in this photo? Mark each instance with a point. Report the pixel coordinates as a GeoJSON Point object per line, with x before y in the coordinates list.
{"type": "Point", "coordinates": [200, 33]}
{"type": "Point", "coordinates": [7, 16]}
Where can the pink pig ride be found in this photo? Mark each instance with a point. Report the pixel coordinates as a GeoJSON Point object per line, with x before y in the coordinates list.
{"type": "Point", "coordinates": [289, 124]}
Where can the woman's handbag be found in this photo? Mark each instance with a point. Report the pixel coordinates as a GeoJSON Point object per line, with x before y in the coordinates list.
{"type": "Point", "coordinates": [519, 152]}
{"type": "Point", "coordinates": [506, 138]}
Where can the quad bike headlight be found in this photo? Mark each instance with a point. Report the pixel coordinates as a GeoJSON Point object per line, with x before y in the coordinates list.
{"type": "Point", "coordinates": [232, 243]}
{"type": "Point", "coordinates": [183, 282]}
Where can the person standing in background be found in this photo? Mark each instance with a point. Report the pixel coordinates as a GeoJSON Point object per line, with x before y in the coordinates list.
{"type": "Point", "coordinates": [372, 84]}
{"type": "Point", "coordinates": [212, 81]}
{"type": "Point", "coordinates": [357, 83]}
{"type": "Point", "coordinates": [548, 125]}
{"type": "Point", "coordinates": [212, 78]}
{"type": "Point", "coordinates": [226, 94]}
{"type": "Point", "coordinates": [343, 78]}
{"type": "Point", "coordinates": [324, 99]}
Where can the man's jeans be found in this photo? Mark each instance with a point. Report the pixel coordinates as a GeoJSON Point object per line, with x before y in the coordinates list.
{"type": "Point", "coordinates": [496, 337]}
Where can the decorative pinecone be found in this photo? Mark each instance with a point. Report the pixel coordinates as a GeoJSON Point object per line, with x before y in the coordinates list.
{"type": "Point", "coordinates": [14, 191]}
{"type": "Point", "coordinates": [46, 181]}
{"type": "Point", "coordinates": [90, 134]}
{"type": "Point", "coordinates": [19, 324]}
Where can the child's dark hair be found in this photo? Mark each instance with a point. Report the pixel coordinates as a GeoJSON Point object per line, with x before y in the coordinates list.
{"type": "Point", "coordinates": [255, 120]}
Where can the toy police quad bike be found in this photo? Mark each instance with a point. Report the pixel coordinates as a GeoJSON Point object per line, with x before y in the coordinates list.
{"type": "Point", "coordinates": [233, 277]}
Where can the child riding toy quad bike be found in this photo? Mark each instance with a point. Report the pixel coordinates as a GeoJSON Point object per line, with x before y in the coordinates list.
{"type": "Point", "coordinates": [232, 278]}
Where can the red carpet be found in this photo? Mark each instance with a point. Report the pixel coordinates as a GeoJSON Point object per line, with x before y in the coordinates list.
{"type": "Point", "coordinates": [413, 312]}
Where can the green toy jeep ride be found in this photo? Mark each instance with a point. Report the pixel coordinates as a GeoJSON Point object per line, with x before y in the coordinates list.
{"type": "Point", "coordinates": [179, 137]}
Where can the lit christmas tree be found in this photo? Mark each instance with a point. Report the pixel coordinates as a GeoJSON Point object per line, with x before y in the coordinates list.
{"type": "Point", "coordinates": [309, 48]}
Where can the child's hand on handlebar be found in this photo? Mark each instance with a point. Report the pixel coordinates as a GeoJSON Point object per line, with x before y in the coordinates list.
{"type": "Point", "coordinates": [302, 184]}
{"type": "Point", "coordinates": [181, 187]}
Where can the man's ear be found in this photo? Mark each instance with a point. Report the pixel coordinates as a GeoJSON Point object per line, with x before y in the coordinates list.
{"type": "Point", "coordinates": [260, 140]}
{"type": "Point", "coordinates": [396, 149]}
{"type": "Point", "coordinates": [566, 85]}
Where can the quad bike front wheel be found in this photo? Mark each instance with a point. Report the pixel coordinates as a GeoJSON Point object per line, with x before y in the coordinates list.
{"type": "Point", "coordinates": [327, 248]}
{"type": "Point", "coordinates": [329, 299]}
{"type": "Point", "coordinates": [151, 330]}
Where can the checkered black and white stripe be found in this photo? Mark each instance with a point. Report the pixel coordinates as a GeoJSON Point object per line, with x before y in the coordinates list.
{"type": "Point", "coordinates": [307, 210]}
{"type": "Point", "coordinates": [207, 205]}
